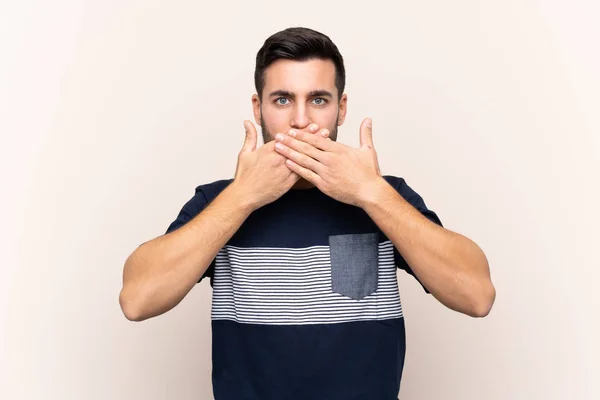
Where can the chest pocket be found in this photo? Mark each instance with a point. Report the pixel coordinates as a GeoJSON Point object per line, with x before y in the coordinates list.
{"type": "Point", "coordinates": [354, 264]}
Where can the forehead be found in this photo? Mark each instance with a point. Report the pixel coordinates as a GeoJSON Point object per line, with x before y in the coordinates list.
{"type": "Point", "coordinates": [300, 76]}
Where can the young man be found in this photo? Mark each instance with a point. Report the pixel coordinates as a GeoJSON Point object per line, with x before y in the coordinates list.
{"type": "Point", "coordinates": [302, 247]}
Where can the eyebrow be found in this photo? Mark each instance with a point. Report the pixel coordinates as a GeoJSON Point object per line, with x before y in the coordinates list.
{"type": "Point", "coordinates": [313, 93]}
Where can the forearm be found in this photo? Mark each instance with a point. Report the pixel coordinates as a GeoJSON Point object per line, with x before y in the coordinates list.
{"type": "Point", "coordinates": [160, 273]}
{"type": "Point", "coordinates": [451, 266]}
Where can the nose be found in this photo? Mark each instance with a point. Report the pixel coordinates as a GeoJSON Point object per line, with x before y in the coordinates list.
{"type": "Point", "coordinates": [300, 118]}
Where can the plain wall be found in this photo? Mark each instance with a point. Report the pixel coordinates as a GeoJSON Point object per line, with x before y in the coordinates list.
{"type": "Point", "coordinates": [113, 112]}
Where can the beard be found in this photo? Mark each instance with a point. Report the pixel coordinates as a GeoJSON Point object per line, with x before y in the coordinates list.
{"type": "Point", "coordinates": [267, 136]}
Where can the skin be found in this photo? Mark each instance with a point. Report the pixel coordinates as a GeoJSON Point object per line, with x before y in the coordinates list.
{"type": "Point", "coordinates": [451, 266]}
{"type": "Point", "coordinates": [300, 96]}
{"type": "Point", "coordinates": [160, 272]}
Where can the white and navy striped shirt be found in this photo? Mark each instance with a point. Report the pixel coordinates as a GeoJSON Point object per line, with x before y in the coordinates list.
{"type": "Point", "coordinates": [305, 300]}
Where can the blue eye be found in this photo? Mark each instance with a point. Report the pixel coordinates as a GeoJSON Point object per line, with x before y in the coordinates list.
{"type": "Point", "coordinates": [279, 101]}
{"type": "Point", "coordinates": [320, 101]}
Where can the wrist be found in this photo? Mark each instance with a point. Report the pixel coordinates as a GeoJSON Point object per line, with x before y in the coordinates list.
{"type": "Point", "coordinates": [242, 197]}
{"type": "Point", "coordinates": [374, 192]}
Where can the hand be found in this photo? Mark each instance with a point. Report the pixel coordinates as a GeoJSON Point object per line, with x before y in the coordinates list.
{"type": "Point", "coordinates": [344, 173]}
{"type": "Point", "coordinates": [262, 174]}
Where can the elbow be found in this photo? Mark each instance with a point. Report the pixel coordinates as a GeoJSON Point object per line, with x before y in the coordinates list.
{"type": "Point", "coordinates": [130, 306]}
{"type": "Point", "coordinates": [484, 293]}
{"type": "Point", "coordinates": [482, 304]}
{"type": "Point", "coordinates": [131, 297]}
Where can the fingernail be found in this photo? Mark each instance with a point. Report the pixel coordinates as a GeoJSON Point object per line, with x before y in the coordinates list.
{"type": "Point", "coordinates": [324, 133]}
{"type": "Point", "coordinates": [292, 133]}
{"type": "Point", "coordinates": [312, 128]}
{"type": "Point", "coordinates": [279, 136]}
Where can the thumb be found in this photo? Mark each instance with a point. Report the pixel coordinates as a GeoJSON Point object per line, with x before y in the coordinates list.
{"type": "Point", "coordinates": [366, 133]}
{"type": "Point", "coordinates": [250, 140]}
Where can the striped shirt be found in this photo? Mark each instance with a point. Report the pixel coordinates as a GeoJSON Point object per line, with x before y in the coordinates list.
{"type": "Point", "coordinates": [305, 301]}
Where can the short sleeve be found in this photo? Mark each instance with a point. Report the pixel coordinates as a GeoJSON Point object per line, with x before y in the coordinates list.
{"type": "Point", "coordinates": [417, 202]}
{"type": "Point", "coordinates": [190, 210]}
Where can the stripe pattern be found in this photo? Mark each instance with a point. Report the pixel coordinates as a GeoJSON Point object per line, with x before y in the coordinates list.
{"type": "Point", "coordinates": [292, 286]}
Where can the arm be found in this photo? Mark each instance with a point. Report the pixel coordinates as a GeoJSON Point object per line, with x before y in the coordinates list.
{"type": "Point", "coordinates": [451, 266]}
{"type": "Point", "coordinates": [160, 272]}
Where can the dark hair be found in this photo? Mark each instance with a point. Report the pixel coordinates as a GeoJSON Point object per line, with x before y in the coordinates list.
{"type": "Point", "coordinates": [299, 44]}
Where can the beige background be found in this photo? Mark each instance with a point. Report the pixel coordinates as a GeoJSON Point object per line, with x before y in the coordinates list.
{"type": "Point", "coordinates": [112, 112]}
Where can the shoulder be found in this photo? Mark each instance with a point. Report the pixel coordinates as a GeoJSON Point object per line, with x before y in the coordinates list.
{"type": "Point", "coordinates": [400, 185]}
{"type": "Point", "coordinates": [203, 195]}
{"type": "Point", "coordinates": [412, 197]}
{"type": "Point", "coordinates": [208, 191]}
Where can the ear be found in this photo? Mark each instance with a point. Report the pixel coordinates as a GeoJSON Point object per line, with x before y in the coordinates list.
{"type": "Point", "coordinates": [256, 109]}
{"type": "Point", "coordinates": [343, 107]}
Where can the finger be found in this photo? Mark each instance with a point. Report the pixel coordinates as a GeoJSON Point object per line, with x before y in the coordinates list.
{"type": "Point", "coordinates": [250, 140]}
{"type": "Point", "coordinates": [305, 173]}
{"type": "Point", "coordinates": [324, 133]}
{"type": "Point", "coordinates": [300, 158]}
{"type": "Point", "coordinates": [308, 146]}
{"type": "Point", "coordinates": [292, 178]}
{"type": "Point", "coordinates": [312, 128]}
{"type": "Point", "coordinates": [366, 133]}
{"type": "Point", "coordinates": [317, 141]}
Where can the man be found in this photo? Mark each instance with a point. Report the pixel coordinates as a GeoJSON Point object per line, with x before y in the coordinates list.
{"type": "Point", "coordinates": [302, 247]}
